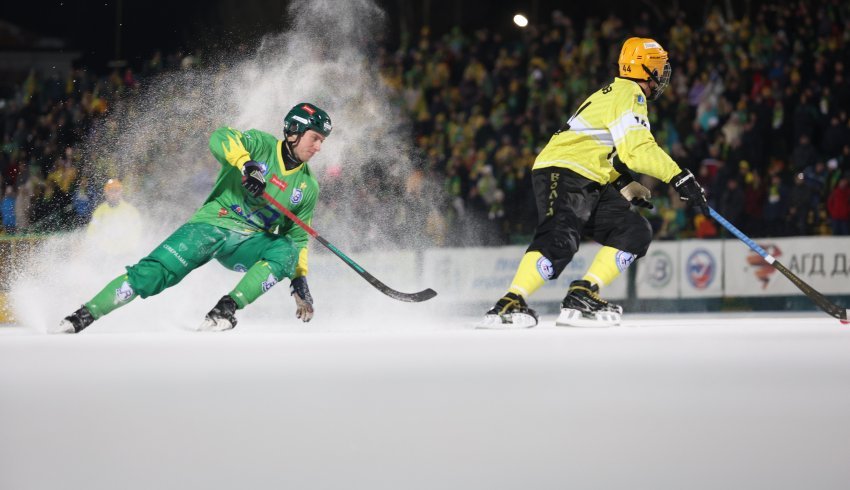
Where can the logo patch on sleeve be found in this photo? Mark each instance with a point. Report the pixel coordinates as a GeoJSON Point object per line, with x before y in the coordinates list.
{"type": "Point", "coordinates": [641, 100]}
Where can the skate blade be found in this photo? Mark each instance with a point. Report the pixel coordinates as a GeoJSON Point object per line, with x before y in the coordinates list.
{"type": "Point", "coordinates": [512, 322]}
{"type": "Point", "coordinates": [210, 325]}
{"type": "Point", "coordinates": [64, 327]}
{"type": "Point", "coordinates": [574, 318]}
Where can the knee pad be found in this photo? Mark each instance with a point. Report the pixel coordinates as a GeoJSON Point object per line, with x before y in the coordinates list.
{"type": "Point", "coordinates": [559, 246]}
{"type": "Point", "coordinates": [634, 236]}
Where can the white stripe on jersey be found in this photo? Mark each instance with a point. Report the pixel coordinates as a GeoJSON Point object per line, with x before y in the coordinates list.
{"type": "Point", "coordinates": [629, 121]}
{"type": "Point", "coordinates": [601, 135]}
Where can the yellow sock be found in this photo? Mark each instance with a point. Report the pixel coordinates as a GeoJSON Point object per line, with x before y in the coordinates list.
{"type": "Point", "coordinates": [607, 265]}
{"type": "Point", "coordinates": [530, 274]}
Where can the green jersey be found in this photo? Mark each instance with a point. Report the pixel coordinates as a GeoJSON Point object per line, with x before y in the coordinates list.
{"type": "Point", "coordinates": [230, 206]}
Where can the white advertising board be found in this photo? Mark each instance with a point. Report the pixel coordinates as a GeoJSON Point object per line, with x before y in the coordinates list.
{"type": "Point", "coordinates": [332, 278]}
{"type": "Point", "coordinates": [700, 268]}
{"type": "Point", "coordinates": [822, 262]}
{"type": "Point", "coordinates": [658, 272]}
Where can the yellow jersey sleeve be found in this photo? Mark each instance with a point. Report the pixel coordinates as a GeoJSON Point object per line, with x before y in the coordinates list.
{"type": "Point", "coordinates": [301, 266]}
{"type": "Point", "coordinates": [229, 146]}
{"type": "Point", "coordinates": [634, 142]}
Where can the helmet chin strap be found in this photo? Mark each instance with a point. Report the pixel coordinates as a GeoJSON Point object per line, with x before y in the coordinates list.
{"type": "Point", "coordinates": [651, 75]}
{"type": "Point", "coordinates": [291, 161]}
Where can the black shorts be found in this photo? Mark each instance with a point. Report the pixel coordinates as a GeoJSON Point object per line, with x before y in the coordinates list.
{"type": "Point", "coordinates": [570, 206]}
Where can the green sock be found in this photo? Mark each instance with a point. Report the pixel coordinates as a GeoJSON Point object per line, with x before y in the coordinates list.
{"type": "Point", "coordinates": [116, 294]}
{"type": "Point", "coordinates": [254, 283]}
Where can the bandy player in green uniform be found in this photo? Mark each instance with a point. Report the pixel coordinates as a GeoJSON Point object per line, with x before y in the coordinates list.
{"type": "Point", "coordinates": [236, 225]}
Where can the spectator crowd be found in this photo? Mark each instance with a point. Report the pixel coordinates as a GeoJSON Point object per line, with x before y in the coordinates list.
{"type": "Point", "coordinates": [757, 109]}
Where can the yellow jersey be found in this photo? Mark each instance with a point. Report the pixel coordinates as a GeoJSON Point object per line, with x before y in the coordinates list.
{"type": "Point", "coordinates": [613, 121]}
{"type": "Point", "coordinates": [117, 230]}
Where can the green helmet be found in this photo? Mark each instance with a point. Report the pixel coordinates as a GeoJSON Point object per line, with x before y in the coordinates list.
{"type": "Point", "coordinates": [306, 116]}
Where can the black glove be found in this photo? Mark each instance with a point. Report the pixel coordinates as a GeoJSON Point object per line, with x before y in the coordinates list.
{"type": "Point", "coordinates": [303, 301]}
{"type": "Point", "coordinates": [634, 192]}
{"type": "Point", "coordinates": [252, 178]}
{"type": "Point", "coordinates": [690, 191]}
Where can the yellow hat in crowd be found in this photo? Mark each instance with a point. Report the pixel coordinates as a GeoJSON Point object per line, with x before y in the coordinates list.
{"type": "Point", "coordinates": [113, 184]}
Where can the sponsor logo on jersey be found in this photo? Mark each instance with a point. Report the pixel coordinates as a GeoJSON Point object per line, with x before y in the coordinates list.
{"type": "Point", "coordinates": [124, 293]}
{"type": "Point", "coordinates": [296, 196]}
{"type": "Point", "coordinates": [641, 100]}
{"type": "Point", "coordinates": [222, 212]}
{"type": "Point", "coordinates": [545, 268]}
{"type": "Point", "coordinates": [279, 183]}
{"type": "Point", "coordinates": [700, 268]}
{"type": "Point", "coordinates": [240, 268]}
{"type": "Point", "coordinates": [269, 282]}
{"type": "Point", "coordinates": [624, 260]}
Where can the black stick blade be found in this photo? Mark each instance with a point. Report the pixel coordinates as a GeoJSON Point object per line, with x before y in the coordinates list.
{"type": "Point", "coordinates": [410, 298]}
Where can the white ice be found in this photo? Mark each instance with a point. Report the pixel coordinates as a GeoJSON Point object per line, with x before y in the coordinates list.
{"type": "Point", "coordinates": [663, 402]}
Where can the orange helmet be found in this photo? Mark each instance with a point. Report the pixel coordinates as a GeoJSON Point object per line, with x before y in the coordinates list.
{"type": "Point", "coordinates": [644, 59]}
{"type": "Point", "coordinates": [113, 184]}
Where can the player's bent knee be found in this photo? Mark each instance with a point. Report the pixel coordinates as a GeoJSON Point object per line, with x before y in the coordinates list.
{"type": "Point", "coordinates": [150, 277]}
{"type": "Point", "coordinates": [281, 261]}
{"type": "Point", "coordinates": [638, 233]}
{"type": "Point", "coordinates": [559, 248]}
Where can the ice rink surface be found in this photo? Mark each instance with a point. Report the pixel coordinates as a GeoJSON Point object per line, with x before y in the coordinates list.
{"type": "Point", "coordinates": [663, 402]}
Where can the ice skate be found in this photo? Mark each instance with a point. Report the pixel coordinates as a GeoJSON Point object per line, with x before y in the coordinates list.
{"type": "Point", "coordinates": [221, 317]}
{"type": "Point", "coordinates": [74, 323]}
{"type": "Point", "coordinates": [509, 312]}
{"type": "Point", "coordinates": [583, 307]}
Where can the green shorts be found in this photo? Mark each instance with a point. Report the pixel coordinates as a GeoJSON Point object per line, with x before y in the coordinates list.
{"type": "Point", "coordinates": [194, 244]}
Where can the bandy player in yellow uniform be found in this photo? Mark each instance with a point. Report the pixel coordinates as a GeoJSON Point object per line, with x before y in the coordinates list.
{"type": "Point", "coordinates": [582, 185]}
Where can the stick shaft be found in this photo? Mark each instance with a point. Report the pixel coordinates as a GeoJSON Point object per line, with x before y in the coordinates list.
{"type": "Point", "coordinates": [816, 297]}
{"type": "Point", "coordinates": [412, 297]}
